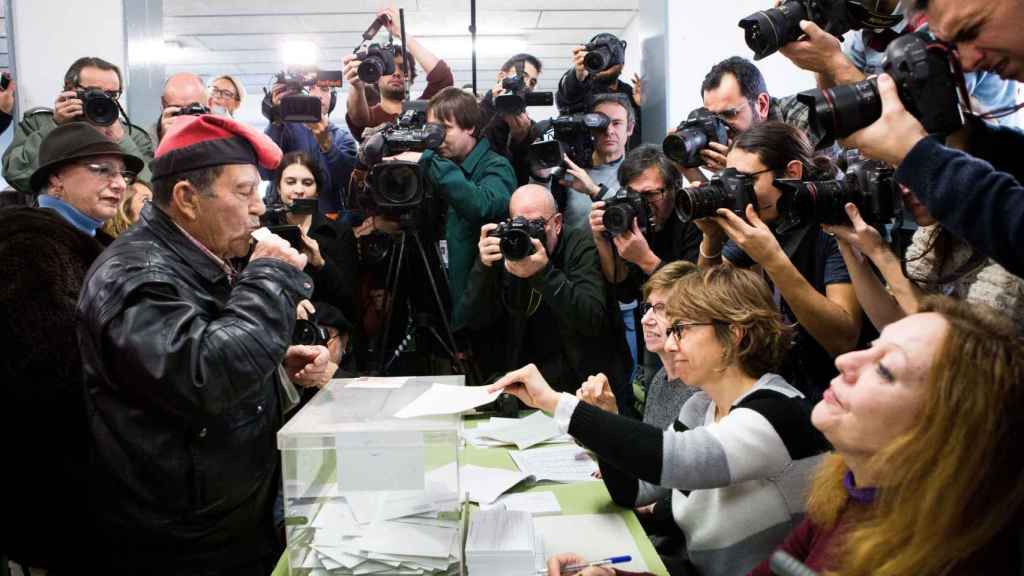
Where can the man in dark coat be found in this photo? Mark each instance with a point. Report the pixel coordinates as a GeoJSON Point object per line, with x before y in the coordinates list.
{"type": "Point", "coordinates": [44, 254]}
{"type": "Point", "coordinates": [183, 359]}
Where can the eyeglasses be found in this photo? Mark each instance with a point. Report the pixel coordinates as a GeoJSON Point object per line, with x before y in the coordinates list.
{"type": "Point", "coordinates": [224, 93]}
{"type": "Point", "coordinates": [730, 113]}
{"type": "Point", "coordinates": [650, 195]}
{"type": "Point", "coordinates": [752, 174]}
{"type": "Point", "coordinates": [109, 172]}
{"type": "Point", "coordinates": [677, 329]}
{"type": "Point", "coordinates": [114, 94]}
{"type": "Point", "coordinates": [659, 308]}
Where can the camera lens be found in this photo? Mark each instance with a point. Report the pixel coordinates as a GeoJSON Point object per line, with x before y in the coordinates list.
{"type": "Point", "coordinates": [840, 111]}
{"type": "Point", "coordinates": [370, 69]}
{"type": "Point", "coordinates": [515, 245]}
{"type": "Point", "coordinates": [768, 30]}
{"type": "Point", "coordinates": [618, 219]}
{"type": "Point", "coordinates": [597, 59]}
{"type": "Point", "coordinates": [99, 108]}
{"type": "Point", "coordinates": [701, 201]}
{"type": "Point", "coordinates": [396, 184]}
{"type": "Point", "coordinates": [823, 202]}
{"type": "Point", "coordinates": [308, 334]}
{"type": "Point", "coordinates": [685, 145]}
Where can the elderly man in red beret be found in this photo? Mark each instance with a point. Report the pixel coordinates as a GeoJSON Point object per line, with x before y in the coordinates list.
{"type": "Point", "coordinates": [184, 358]}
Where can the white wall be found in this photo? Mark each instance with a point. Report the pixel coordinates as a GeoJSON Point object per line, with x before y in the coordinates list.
{"type": "Point", "coordinates": [701, 34]}
{"type": "Point", "coordinates": [51, 34]}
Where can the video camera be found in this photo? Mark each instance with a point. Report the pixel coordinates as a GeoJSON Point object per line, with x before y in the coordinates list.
{"type": "Point", "coordinates": [768, 30]}
{"type": "Point", "coordinates": [694, 134]}
{"type": "Point", "coordinates": [868, 184]}
{"type": "Point", "coordinates": [516, 236]}
{"type": "Point", "coordinates": [621, 209]}
{"type": "Point", "coordinates": [730, 189]}
{"type": "Point", "coordinates": [276, 219]}
{"type": "Point", "coordinates": [604, 51]}
{"type": "Point", "coordinates": [518, 95]}
{"type": "Point", "coordinates": [927, 76]}
{"type": "Point", "coordinates": [396, 185]}
{"type": "Point", "coordinates": [563, 136]}
{"type": "Point", "coordinates": [298, 105]}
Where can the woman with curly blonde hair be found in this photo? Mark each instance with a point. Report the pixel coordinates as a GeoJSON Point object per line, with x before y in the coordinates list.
{"type": "Point", "coordinates": [928, 476]}
{"type": "Point", "coordinates": [128, 210]}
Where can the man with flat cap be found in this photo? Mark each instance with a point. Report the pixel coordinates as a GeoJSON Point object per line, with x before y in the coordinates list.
{"type": "Point", "coordinates": [45, 252]}
{"type": "Point", "coordinates": [184, 358]}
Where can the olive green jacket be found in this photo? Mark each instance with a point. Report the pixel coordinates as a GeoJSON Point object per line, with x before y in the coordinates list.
{"type": "Point", "coordinates": [21, 157]}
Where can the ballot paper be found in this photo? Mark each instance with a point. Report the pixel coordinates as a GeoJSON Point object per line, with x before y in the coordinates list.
{"type": "Point", "coordinates": [377, 383]}
{"type": "Point", "coordinates": [501, 543]}
{"type": "Point", "coordinates": [447, 399]}
{"type": "Point", "coordinates": [568, 463]}
{"type": "Point", "coordinates": [604, 536]}
{"type": "Point", "coordinates": [261, 234]}
{"type": "Point", "coordinates": [537, 428]}
{"type": "Point", "coordinates": [483, 484]}
{"type": "Point", "coordinates": [542, 503]}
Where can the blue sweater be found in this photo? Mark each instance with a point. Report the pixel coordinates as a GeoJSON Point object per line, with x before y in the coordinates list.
{"type": "Point", "coordinates": [969, 197]}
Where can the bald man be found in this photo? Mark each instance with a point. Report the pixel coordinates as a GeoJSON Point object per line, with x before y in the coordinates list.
{"type": "Point", "coordinates": [551, 307]}
{"type": "Point", "coordinates": [180, 90]}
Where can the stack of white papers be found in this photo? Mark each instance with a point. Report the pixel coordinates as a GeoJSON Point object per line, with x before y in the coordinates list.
{"type": "Point", "coordinates": [537, 428]}
{"type": "Point", "coordinates": [397, 532]}
{"type": "Point", "coordinates": [568, 463]}
{"type": "Point", "coordinates": [501, 543]}
{"type": "Point", "coordinates": [447, 399]}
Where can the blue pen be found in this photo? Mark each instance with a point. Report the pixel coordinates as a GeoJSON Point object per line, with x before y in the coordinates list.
{"type": "Point", "coordinates": [574, 568]}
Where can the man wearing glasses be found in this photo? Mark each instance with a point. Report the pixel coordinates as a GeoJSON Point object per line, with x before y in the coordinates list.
{"type": "Point", "coordinates": [550, 308]}
{"type": "Point", "coordinates": [22, 157]}
{"type": "Point", "coordinates": [735, 90]}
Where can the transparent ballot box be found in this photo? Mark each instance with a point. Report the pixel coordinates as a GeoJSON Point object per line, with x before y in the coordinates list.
{"type": "Point", "coordinates": [368, 493]}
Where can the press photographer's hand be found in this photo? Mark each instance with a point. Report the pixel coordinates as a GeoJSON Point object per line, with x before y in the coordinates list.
{"type": "Point", "coordinates": [532, 264]}
{"type": "Point", "coordinates": [66, 108]}
{"type": "Point", "coordinates": [581, 181]}
{"type": "Point", "coordinates": [489, 246]}
{"type": "Point", "coordinates": [894, 134]}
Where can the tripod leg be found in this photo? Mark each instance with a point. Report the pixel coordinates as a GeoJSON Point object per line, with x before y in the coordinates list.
{"type": "Point", "coordinates": [391, 286]}
{"type": "Point", "coordinates": [440, 305]}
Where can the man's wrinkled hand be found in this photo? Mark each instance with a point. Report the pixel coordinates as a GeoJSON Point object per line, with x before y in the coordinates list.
{"type": "Point", "coordinates": [309, 366]}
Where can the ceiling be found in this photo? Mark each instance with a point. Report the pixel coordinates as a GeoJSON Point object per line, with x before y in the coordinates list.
{"type": "Point", "coordinates": [243, 37]}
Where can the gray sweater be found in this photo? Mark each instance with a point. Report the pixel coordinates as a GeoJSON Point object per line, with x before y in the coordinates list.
{"type": "Point", "coordinates": [665, 399]}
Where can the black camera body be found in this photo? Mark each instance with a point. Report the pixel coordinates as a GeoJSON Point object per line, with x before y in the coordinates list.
{"type": "Point", "coordinates": [730, 190]}
{"type": "Point", "coordinates": [299, 106]}
{"type": "Point", "coordinates": [570, 136]}
{"type": "Point", "coordinates": [603, 52]}
{"type": "Point", "coordinates": [375, 61]}
{"type": "Point", "coordinates": [768, 30]}
{"type": "Point", "coordinates": [622, 208]}
{"type": "Point", "coordinates": [516, 236]}
{"type": "Point", "coordinates": [277, 212]}
{"type": "Point", "coordinates": [694, 134]}
{"type": "Point", "coordinates": [98, 107]}
{"type": "Point", "coordinates": [868, 184]}
{"type": "Point", "coordinates": [517, 97]}
{"type": "Point", "coordinates": [194, 109]}
{"type": "Point", "coordinates": [926, 77]}
{"type": "Point", "coordinates": [309, 333]}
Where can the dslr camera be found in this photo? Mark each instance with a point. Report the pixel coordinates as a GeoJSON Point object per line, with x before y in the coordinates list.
{"type": "Point", "coordinates": [868, 184]}
{"type": "Point", "coordinates": [309, 333]}
{"type": "Point", "coordinates": [98, 107]}
{"type": "Point", "coordinates": [298, 105]}
{"type": "Point", "coordinates": [516, 236]}
{"type": "Point", "coordinates": [926, 73]}
{"type": "Point", "coordinates": [694, 134]}
{"type": "Point", "coordinates": [768, 30]}
{"type": "Point", "coordinates": [517, 95]}
{"type": "Point", "coordinates": [396, 185]}
{"type": "Point", "coordinates": [194, 109]}
{"type": "Point", "coordinates": [375, 61]}
{"type": "Point", "coordinates": [621, 209]}
{"type": "Point", "coordinates": [565, 136]}
{"type": "Point", "coordinates": [730, 190]}
{"type": "Point", "coordinates": [604, 51]}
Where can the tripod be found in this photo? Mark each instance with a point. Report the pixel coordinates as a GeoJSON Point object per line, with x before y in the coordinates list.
{"type": "Point", "coordinates": [418, 321]}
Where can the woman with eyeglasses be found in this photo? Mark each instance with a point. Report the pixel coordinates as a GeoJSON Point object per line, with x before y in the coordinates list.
{"type": "Point", "coordinates": [802, 262]}
{"type": "Point", "coordinates": [738, 459]}
{"type": "Point", "coordinates": [226, 93]}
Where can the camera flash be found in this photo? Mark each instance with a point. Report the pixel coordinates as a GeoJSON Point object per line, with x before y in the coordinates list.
{"type": "Point", "coordinates": [299, 53]}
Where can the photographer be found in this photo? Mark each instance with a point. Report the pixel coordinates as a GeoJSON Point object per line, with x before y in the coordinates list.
{"type": "Point", "coordinates": [185, 359]}
{"type": "Point", "coordinates": [967, 195]}
{"type": "Point", "coordinates": [601, 181]}
{"type": "Point", "coordinates": [360, 114]}
{"type": "Point", "coordinates": [860, 54]}
{"type": "Point", "coordinates": [183, 91]}
{"type": "Point", "coordinates": [331, 145]}
{"type": "Point", "coordinates": [475, 181]}
{"type": "Point", "coordinates": [549, 307]}
{"type": "Point", "coordinates": [511, 135]}
{"type": "Point", "coordinates": [581, 83]}
{"type": "Point", "coordinates": [801, 261]}
{"type": "Point", "coordinates": [86, 76]}
{"type": "Point", "coordinates": [736, 91]}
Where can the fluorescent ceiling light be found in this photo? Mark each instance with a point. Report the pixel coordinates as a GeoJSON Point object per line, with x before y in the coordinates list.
{"type": "Point", "coordinates": [299, 53]}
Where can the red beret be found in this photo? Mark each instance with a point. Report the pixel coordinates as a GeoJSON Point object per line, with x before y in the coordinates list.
{"type": "Point", "coordinates": [194, 142]}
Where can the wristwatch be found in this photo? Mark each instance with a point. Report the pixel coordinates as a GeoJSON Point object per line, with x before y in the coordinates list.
{"type": "Point", "coordinates": [601, 191]}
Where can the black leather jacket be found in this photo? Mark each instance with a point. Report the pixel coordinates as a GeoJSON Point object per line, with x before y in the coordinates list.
{"type": "Point", "coordinates": [182, 400]}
